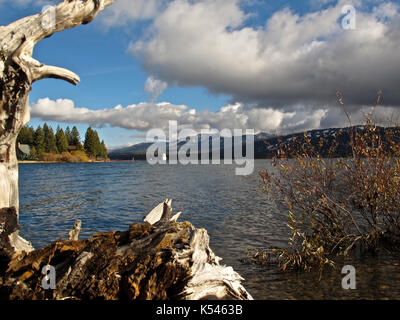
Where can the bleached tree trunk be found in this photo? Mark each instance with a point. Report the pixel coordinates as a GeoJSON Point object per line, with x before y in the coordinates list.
{"type": "Point", "coordinates": [156, 260]}
{"type": "Point", "coordinates": [18, 70]}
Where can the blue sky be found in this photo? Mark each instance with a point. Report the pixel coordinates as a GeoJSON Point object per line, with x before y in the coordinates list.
{"type": "Point", "coordinates": [249, 77]}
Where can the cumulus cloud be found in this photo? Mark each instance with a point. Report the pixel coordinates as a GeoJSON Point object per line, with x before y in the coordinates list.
{"type": "Point", "coordinates": [291, 59]}
{"type": "Point", "coordinates": [155, 87]}
{"type": "Point", "coordinates": [146, 116]}
{"type": "Point", "coordinates": [282, 75]}
{"type": "Point", "coordinates": [124, 11]}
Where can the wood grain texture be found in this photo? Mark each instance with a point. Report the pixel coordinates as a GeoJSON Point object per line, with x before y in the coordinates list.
{"type": "Point", "coordinates": [160, 261]}
{"type": "Point", "coordinates": [18, 70]}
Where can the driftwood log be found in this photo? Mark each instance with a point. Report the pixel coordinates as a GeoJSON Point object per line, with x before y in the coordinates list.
{"type": "Point", "coordinates": [157, 259]}
{"type": "Point", "coordinates": [18, 70]}
{"type": "Point", "coordinates": [162, 260]}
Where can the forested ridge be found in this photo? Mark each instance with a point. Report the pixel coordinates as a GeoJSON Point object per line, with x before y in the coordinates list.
{"type": "Point", "coordinates": [48, 145]}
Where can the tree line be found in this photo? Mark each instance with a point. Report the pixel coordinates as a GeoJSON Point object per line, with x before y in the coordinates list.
{"type": "Point", "coordinates": [43, 140]}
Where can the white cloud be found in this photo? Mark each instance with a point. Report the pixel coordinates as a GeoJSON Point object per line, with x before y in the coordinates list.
{"type": "Point", "coordinates": [124, 11]}
{"type": "Point", "coordinates": [282, 75]}
{"type": "Point", "coordinates": [155, 88]}
{"type": "Point", "coordinates": [146, 116]}
{"type": "Point", "coordinates": [291, 59]}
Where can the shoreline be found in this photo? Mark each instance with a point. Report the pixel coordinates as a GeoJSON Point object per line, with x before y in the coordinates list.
{"type": "Point", "coordinates": [46, 162]}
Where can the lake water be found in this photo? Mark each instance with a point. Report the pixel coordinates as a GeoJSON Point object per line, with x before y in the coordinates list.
{"type": "Point", "coordinates": [236, 213]}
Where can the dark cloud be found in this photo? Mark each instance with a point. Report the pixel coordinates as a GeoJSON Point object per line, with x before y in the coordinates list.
{"type": "Point", "coordinates": [293, 59]}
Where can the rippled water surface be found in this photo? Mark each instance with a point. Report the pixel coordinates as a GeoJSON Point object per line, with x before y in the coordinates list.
{"type": "Point", "coordinates": [237, 215]}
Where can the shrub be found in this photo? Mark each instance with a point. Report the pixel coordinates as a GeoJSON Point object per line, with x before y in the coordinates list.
{"type": "Point", "coordinates": [80, 156]}
{"type": "Point", "coordinates": [75, 156]}
{"type": "Point", "coordinates": [50, 157]}
{"type": "Point", "coordinates": [336, 205]}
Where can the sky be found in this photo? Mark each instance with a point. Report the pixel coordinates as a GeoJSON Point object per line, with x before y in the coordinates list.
{"type": "Point", "coordinates": [271, 66]}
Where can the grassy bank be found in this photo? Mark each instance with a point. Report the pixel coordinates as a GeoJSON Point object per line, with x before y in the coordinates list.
{"type": "Point", "coordinates": [65, 157]}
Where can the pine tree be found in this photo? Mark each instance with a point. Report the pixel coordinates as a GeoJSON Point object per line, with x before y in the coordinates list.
{"type": "Point", "coordinates": [26, 135]}
{"type": "Point", "coordinates": [49, 139]}
{"type": "Point", "coordinates": [90, 143]}
{"type": "Point", "coordinates": [22, 136]}
{"type": "Point", "coordinates": [104, 152]}
{"type": "Point", "coordinates": [52, 141]}
{"type": "Point", "coordinates": [97, 144]}
{"type": "Point", "coordinates": [68, 135]}
{"type": "Point", "coordinates": [76, 139]}
{"type": "Point", "coordinates": [34, 154]}
{"type": "Point", "coordinates": [46, 131]}
{"type": "Point", "coordinates": [61, 141]}
{"type": "Point", "coordinates": [32, 134]}
{"type": "Point", "coordinates": [38, 140]}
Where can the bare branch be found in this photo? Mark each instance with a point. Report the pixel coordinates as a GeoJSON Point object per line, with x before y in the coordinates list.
{"type": "Point", "coordinates": [56, 73]}
{"type": "Point", "coordinates": [19, 38]}
{"type": "Point", "coordinates": [18, 70]}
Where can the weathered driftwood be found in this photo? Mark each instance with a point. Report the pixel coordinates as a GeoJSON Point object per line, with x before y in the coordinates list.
{"type": "Point", "coordinates": [74, 233]}
{"type": "Point", "coordinates": [163, 260]}
{"type": "Point", "coordinates": [18, 70]}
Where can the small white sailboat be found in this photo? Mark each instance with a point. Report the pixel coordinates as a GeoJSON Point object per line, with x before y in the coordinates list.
{"type": "Point", "coordinates": [164, 157]}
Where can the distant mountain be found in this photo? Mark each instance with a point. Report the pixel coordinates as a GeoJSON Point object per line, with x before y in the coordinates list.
{"type": "Point", "coordinates": [265, 145]}
{"type": "Point", "coordinates": [263, 136]}
{"type": "Point", "coordinates": [138, 151]}
{"type": "Point", "coordinates": [322, 141]}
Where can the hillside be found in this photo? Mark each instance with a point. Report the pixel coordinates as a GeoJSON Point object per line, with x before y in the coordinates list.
{"type": "Point", "coordinates": [267, 145]}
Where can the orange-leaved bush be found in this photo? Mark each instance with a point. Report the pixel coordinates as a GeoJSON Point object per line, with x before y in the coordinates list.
{"type": "Point", "coordinates": [336, 204]}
